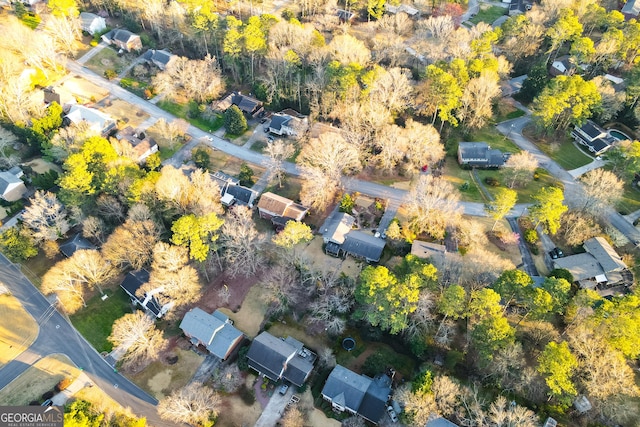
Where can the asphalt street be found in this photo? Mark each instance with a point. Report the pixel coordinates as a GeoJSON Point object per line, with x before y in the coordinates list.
{"type": "Point", "coordinates": [57, 335]}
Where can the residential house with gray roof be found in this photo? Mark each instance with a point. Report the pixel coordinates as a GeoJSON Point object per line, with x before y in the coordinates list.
{"type": "Point", "coordinates": [596, 139]}
{"type": "Point", "coordinates": [12, 188]}
{"type": "Point", "coordinates": [92, 23]}
{"type": "Point", "coordinates": [357, 394]}
{"type": "Point", "coordinates": [213, 331]}
{"type": "Point", "coordinates": [281, 358]}
{"type": "Point", "coordinates": [132, 283]}
{"type": "Point", "coordinates": [76, 243]}
{"type": "Point", "coordinates": [480, 155]}
{"type": "Point", "coordinates": [123, 39]}
{"type": "Point", "coordinates": [160, 58]}
{"type": "Point", "coordinates": [631, 9]}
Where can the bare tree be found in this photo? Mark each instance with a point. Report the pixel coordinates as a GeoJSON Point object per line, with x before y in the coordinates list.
{"type": "Point", "coordinates": [278, 151]}
{"type": "Point", "coordinates": [7, 140]}
{"type": "Point", "coordinates": [227, 378]}
{"type": "Point", "coordinates": [432, 205]}
{"type": "Point", "coordinates": [392, 89]}
{"type": "Point", "coordinates": [200, 80]}
{"type": "Point", "coordinates": [293, 417]}
{"type": "Point", "coordinates": [326, 358]}
{"type": "Point", "coordinates": [423, 144]}
{"type": "Point", "coordinates": [579, 226]}
{"type": "Point", "coordinates": [93, 228]}
{"type": "Point", "coordinates": [137, 334]}
{"type": "Point", "coordinates": [503, 414]}
{"type": "Point", "coordinates": [347, 49]}
{"type": "Point", "coordinates": [280, 283]}
{"type": "Point", "coordinates": [198, 194]}
{"type": "Point", "coordinates": [110, 208]}
{"type": "Point", "coordinates": [602, 189]}
{"type": "Point", "coordinates": [243, 244]}
{"type": "Point", "coordinates": [194, 404]}
{"type": "Point", "coordinates": [46, 216]}
{"type": "Point", "coordinates": [173, 131]}
{"type": "Point", "coordinates": [59, 280]}
{"type": "Point", "coordinates": [65, 31]}
{"type": "Point", "coordinates": [419, 406]}
{"type": "Point", "coordinates": [90, 267]}
{"type": "Point", "coordinates": [519, 169]}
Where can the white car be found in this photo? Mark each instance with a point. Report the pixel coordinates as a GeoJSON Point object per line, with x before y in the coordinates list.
{"type": "Point", "coordinates": [392, 414]}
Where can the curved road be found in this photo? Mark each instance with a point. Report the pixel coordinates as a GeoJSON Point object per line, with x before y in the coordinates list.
{"type": "Point", "coordinates": [57, 335]}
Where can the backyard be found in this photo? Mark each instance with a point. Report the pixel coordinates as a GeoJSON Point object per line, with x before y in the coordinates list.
{"type": "Point", "coordinates": [488, 14]}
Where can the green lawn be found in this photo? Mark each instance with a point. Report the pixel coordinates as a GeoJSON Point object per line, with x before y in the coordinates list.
{"type": "Point", "coordinates": [167, 153]}
{"type": "Point", "coordinates": [630, 200]}
{"type": "Point", "coordinates": [95, 320]}
{"type": "Point", "coordinates": [181, 110]}
{"type": "Point", "coordinates": [566, 154]}
{"type": "Point", "coordinates": [108, 59]}
{"type": "Point", "coordinates": [458, 176]}
{"type": "Point", "coordinates": [524, 193]}
{"type": "Point", "coordinates": [489, 14]}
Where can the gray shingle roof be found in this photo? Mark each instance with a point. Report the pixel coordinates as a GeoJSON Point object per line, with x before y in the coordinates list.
{"type": "Point", "coordinates": [338, 227]}
{"type": "Point", "coordinates": [277, 358]}
{"type": "Point", "coordinates": [214, 330]}
{"type": "Point", "coordinates": [605, 254]}
{"type": "Point", "coordinates": [581, 266]}
{"type": "Point", "coordinates": [279, 120]}
{"type": "Point", "coordinates": [361, 244]}
{"type": "Point", "coordinates": [346, 388]}
{"type": "Point", "coordinates": [631, 7]}
{"type": "Point", "coordinates": [74, 244]}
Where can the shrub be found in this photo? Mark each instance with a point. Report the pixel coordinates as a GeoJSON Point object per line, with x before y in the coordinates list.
{"type": "Point", "coordinates": [347, 203]}
{"type": "Point", "coordinates": [110, 73]}
{"type": "Point", "coordinates": [93, 43]}
{"type": "Point", "coordinates": [63, 384]}
{"type": "Point", "coordinates": [246, 175]}
{"type": "Point", "coordinates": [248, 395]}
{"type": "Point", "coordinates": [464, 186]}
{"type": "Point", "coordinates": [561, 273]}
{"type": "Point", "coordinates": [492, 181]}
{"type": "Point", "coordinates": [242, 362]}
{"type": "Point", "coordinates": [531, 236]}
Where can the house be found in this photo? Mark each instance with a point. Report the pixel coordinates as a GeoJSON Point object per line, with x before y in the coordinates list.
{"type": "Point", "coordinates": [288, 122]}
{"type": "Point", "coordinates": [562, 66]}
{"type": "Point", "coordinates": [402, 8]}
{"type": "Point", "coordinates": [512, 86]}
{"type": "Point", "coordinates": [360, 244]}
{"type": "Point", "coordinates": [213, 331]}
{"type": "Point", "coordinates": [98, 121]}
{"type": "Point", "coordinates": [272, 206]}
{"type": "Point", "coordinates": [428, 250]}
{"type": "Point", "coordinates": [132, 283]}
{"type": "Point", "coordinates": [357, 394]}
{"type": "Point", "coordinates": [76, 243]}
{"type": "Point", "coordinates": [123, 39]}
{"type": "Point", "coordinates": [92, 23]}
{"type": "Point", "coordinates": [12, 188]}
{"type": "Point", "coordinates": [160, 58]}
{"type": "Point", "coordinates": [231, 192]}
{"type": "Point", "coordinates": [480, 155]}
{"type": "Point", "coordinates": [592, 136]}
{"type": "Point", "coordinates": [250, 106]}
{"type": "Point", "coordinates": [139, 145]}
{"type": "Point", "coordinates": [519, 6]}
{"type": "Point", "coordinates": [599, 268]}
{"type": "Point", "coordinates": [50, 95]}
{"type": "Point", "coordinates": [631, 9]}
{"type": "Point", "coordinates": [334, 231]}
{"type": "Point", "coordinates": [344, 16]}
{"type": "Point", "coordinates": [281, 359]}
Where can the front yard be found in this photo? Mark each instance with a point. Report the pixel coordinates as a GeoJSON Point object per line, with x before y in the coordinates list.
{"type": "Point", "coordinates": [560, 148]}
{"type": "Point", "coordinates": [108, 59]}
{"type": "Point", "coordinates": [182, 111]}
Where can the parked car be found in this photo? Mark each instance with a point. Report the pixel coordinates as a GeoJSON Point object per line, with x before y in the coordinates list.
{"type": "Point", "coordinates": [283, 389]}
{"type": "Point", "coordinates": [266, 129]}
{"type": "Point", "coordinates": [263, 120]}
{"type": "Point", "coordinates": [556, 253]}
{"type": "Point", "coordinates": [392, 414]}
{"type": "Point", "coordinates": [47, 402]}
{"type": "Point", "coordinates": [270, 139]}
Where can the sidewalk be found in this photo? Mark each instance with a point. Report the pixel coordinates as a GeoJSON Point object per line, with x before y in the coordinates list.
{"type": "Point", "coordinates": [81, 382]}
{"type": "Point", "coordinates": [93, 52]}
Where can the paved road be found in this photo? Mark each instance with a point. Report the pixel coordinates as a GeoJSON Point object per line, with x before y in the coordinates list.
{"type": "Point", "coordinates": [528, 264]}
{"type": "Point", "coordinates": [57, 335]}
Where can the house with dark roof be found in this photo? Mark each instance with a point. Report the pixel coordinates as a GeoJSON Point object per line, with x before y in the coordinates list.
{"type": "Point", "coordinates": [345, 16]}
{"type": "Point", "coordinates": [272, 206]}
{"type": "Point", "coordinates": [631, 9]}
{"type": "Point", "coordinates": [562, 66]}
{"type": "Point", "coordinates": [439, 422]}
{"type": "Point", "coordinates": [76, 243]}
{"type": "Point", "coordinates": [341, 239]}
{"type": "Point", "coordinates": [50, 95]}
{"type": "Point", "coordinates": [12, 188]}
{"type": "Point", "coordinates": [213, 331]}
{"type": "Point", "coordinates": [599, 268]}
{"type": "Point", "coordinates": [98, 121]}
{"type": "Point", "coordinates": [92, 23]}
{"type": "Point", "coordinates": [160, 58]}
{"type": "Point", "coordinates": [231, 192]}
{"type": "Point", "coordinates": [250, 106]}
{"type": "Point", "coordinates": [288, 122]}
{"type": "Point", "coordinates": [357, 394]}
{"type": "Point", "coordinates": [281, 359]}
{"type": "Point", "coordinates": [519, 6]}
{"type": "Point", "coordinates": [592, 136]}
{"type": "Point", "coordinates": [123, 39]}
{"type": "Point", "coordinates": [480, 155]}
{"type": "Point", "coordinates": [363, 245]}
{"type": "Point", "coordinates": [147, 301]}
{"type": "Point", "coordinates": [138, 145]}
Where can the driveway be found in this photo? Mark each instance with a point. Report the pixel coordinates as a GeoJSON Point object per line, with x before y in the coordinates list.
{"type": "Point", "coordinates": [57, 335]}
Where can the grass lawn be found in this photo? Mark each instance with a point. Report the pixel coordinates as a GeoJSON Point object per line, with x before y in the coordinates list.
{"type": "Point", "coordinates": [560, 149]}
{"type": "Point", "coordinates": [36, 267]}
{"type": "Point", "coordinates": [252, 312]}
{"type": "Point", "coordinates": [630, 199]}
{"type": "Point", "coordinates": [458, 176]}
{"type": "Point", "coordinates": [181, 110]}
{"type": "Point", "coordinates": [126, 112]}
{"type": "Point", "coordinates": [524, 193]}
{"type": "Point", "coordinates": [160, 379]}
{"type": "Point", "coordinates": [108, 59]}
{"type": "Point", "coordinates": [38, 379]}
{"type": "Point", "coordinates": [489, 14]}
{"type": "Point", "coordinates": [290, 188]}
{"type": "Point", "coordinates": [17, 329]}
{"type": "Point", "coordinates": [95, 320]}
{"type": "Point", "coordinates": [506, 111]}
{"type": "Point", "coordinates": [167, 153]}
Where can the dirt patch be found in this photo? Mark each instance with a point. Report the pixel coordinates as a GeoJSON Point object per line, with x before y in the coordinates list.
{"type": "Point", "coordinates": [159, 378]}
{"type": "Point", "coordinates": [17, 328]}
{"type": "Point", "coordinates": [42, 166]}
{"type": "Point", "coordinates": [77, 89]}
{"type": "Point", "coordinates": [235, 412]}
{"type": "Point", "coordinates": [316, 418]}
{"type": "Point", "coordinates": [238, 288]}
{"type": "Point", "coordinates": [125, 112]}
{"type": "Point", "coordinates": [38, 379]}
{"type": "Point", "coordinates": [297, 331]}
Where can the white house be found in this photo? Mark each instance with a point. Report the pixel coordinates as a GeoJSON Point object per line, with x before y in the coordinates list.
{"type": "Point", "coordinates": [12, 188]}
{"type": "Point", "coordinates": [92, 23]}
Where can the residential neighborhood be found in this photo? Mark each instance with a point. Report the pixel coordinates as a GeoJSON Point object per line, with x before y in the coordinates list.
{"type": "Point", "coordinates": [320, 214]}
